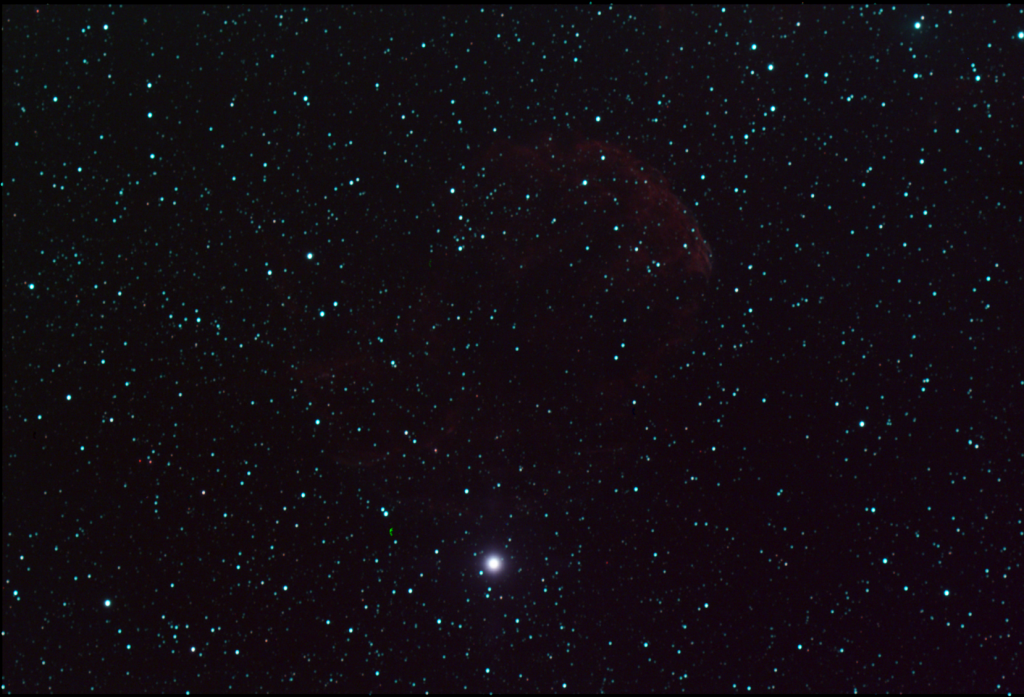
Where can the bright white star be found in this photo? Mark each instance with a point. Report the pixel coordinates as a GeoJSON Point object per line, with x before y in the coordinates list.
{"type": "Point", "coordinates": [493, 563]}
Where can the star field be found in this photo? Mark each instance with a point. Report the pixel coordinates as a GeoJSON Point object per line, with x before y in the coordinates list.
{"type": "Point", "coordinates": [597, 349]}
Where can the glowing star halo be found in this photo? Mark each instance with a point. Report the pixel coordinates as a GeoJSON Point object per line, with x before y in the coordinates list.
{"type": "Point", "coordinates": [493, 563]}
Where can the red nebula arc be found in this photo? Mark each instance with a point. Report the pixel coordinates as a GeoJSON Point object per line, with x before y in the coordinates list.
{"type": "Point", "coordinates": [564, 274]}
{"type": "Point", "coordinates": [569, 255]}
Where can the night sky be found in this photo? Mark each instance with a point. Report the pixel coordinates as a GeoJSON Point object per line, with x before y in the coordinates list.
{"type": "Point", "coordinates": [513, 350]}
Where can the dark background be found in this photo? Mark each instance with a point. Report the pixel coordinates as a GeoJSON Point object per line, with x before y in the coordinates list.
{"type": "Point", "coordinates": [211, 219]}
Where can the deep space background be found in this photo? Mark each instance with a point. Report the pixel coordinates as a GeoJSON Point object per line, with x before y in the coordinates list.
{"type": "Point", "coordinates": [247, 445]}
